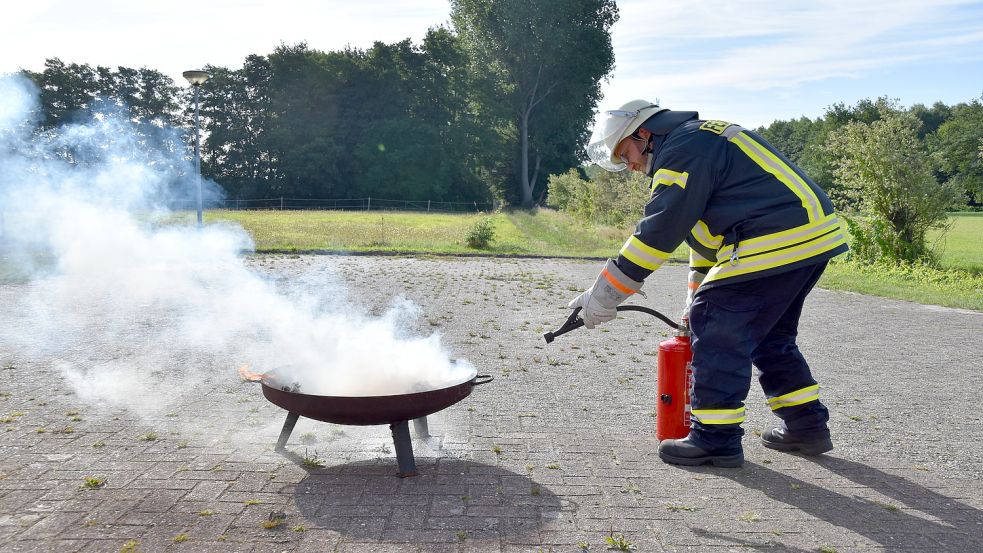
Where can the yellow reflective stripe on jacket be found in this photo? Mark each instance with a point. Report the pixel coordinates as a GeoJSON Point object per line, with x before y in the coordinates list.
{"type": "Point", "coordinates": [643, 255]}
{"type": "Point", "coordinates": [719, 416]}
{"type": "Point", "coordinates": [795, 235]}
{"type": "Point", "coordinates": [781, 248]}
{"type": "Point", "coordinates": [781, 171]}
{"type": "Point", "coordinates": [701, 233]}
{"type": "Point", "coordinates": [798, 397]}
{"type": "Point", "coordinates": [697, 260]}
{"type": "Point", "coordinates": [669, 177]}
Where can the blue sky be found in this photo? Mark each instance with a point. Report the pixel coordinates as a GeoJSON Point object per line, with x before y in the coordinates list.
{"type": "Point", "coordinates": [748, 62]}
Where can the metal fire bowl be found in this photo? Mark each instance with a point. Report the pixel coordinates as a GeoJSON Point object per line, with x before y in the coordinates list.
{"type": "Point", "coordinates": [367, 410]}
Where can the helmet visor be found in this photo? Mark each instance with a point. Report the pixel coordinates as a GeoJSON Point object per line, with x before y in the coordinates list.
{"type": "Point", "coordinates": [608, 132]}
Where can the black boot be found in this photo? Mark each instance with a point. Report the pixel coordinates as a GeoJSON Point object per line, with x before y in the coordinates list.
{"type": "Point", "coordinates": [782, 440]}
{"type": "Point", "coordinates": [685, 452]}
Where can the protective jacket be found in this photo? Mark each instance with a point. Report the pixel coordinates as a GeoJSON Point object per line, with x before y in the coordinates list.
{"type": "Point", "coordinates": [744, 209]}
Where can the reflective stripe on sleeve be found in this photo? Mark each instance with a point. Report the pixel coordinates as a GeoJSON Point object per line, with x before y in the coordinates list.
{"type": "Point", "coordinates": [781, 171]}
{"type": "Point", "coordinates": [798, 397]}
{"type": "Point", "coordinates": [701, 233]}
{"type": "Point", "coordinates": [669, 177]}
{"type": "Point", "coordinates": [643, 255]}
{"type": "Point", "coordinates": [616, 283]}
{"type": "Point", "coordinates": [719, 416]}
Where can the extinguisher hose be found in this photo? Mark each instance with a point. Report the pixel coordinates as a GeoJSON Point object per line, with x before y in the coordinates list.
{"type": "Point", "coordinates": [574, 321]}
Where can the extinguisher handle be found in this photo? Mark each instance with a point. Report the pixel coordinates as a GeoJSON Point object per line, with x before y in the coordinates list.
{"type": "Point", "coordinates": [574, 321]}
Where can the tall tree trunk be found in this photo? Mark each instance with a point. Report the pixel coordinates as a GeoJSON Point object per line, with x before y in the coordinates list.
{"type": "Point", "coordinates": [524, 184]}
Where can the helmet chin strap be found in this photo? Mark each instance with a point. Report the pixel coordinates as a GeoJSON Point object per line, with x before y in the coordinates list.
{"type": "Point", "coordinates": [655, 144]}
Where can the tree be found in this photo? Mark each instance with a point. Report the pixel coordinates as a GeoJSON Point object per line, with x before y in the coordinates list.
{"type": "Point", "coordinates": [541, 62]}
{"type": "Point", "coordinates": [955, 147]}
{"type": "Point", "coordinates": [66, 90]}
{"type": "Point", "coordinates": [235, 106]}
{"type": "Point", "coordinates": [885, 170]}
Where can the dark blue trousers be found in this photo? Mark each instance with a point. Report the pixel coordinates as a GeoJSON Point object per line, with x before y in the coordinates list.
{"type": "Point", "coordinates": [755, 321]}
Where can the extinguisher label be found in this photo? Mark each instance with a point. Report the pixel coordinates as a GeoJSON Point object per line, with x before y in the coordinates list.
{"type": "Point", "coordinates": [687, 412]}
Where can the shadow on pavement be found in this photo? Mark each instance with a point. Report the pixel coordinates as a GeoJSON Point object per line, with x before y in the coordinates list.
{"type": "Point", "coordinates": [914, 518]}
{"type": "Point", "coordinates": [451, 500]}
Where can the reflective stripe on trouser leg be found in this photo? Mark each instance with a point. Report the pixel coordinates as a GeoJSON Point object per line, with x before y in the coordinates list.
{"type": "Point", "coordinates": [798, 397]}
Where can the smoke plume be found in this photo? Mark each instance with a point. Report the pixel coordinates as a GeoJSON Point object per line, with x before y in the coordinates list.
{"type": "Point", "coordinates": [130, 302]}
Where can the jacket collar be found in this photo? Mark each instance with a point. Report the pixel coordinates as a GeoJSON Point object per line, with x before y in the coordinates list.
{"type": "Point", "coordinates": [660, 125]}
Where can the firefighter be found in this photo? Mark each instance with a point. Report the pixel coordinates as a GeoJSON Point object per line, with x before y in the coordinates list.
{"type": "Point", "coordinates": [760, 234]}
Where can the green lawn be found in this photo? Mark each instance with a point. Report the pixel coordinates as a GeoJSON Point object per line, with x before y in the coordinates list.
{"type": "Point", "coordinates": [961, 247]}
{"type": "Point", "coordinates": [546, 233]}
{"type": "Point", "coordinates": [550, 233]}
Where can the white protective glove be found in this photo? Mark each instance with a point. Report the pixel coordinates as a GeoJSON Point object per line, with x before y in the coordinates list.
{"type": "Point", "coordinates": [599, 303]}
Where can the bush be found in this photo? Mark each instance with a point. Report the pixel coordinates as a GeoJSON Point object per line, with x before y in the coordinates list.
{"type": "Point", "coordinates": [482, 233]}
{"type": "Point", "coordinates": [615, 199]}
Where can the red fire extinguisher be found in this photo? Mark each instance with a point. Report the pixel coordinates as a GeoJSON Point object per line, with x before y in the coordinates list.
{"type": "Point", "coordinates": [675, 375]}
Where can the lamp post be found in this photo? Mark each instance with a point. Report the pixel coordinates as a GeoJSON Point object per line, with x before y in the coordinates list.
{"type": "Point", "coordinates": [197, 78]}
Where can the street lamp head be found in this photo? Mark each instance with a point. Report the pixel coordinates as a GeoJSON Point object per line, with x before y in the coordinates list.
{"type": "Point", "coordinates": [196, 77]}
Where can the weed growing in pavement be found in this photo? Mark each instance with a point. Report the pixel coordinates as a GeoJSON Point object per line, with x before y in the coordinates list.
{"type": "Point", "coordinates": [885, 506]}
{"type": "Point", "coordinates": [553, 466]}
{"type": "Point", "coordinates": [132, 546]}
{"type": "Point", "coordinates": [93, 483]}
{"type": "Point", "coordinates": [182, 444]}
{"type": "Point", "coordinates": [272, 523]}
{"type": "Point", "coordinates": [90, 523]}
{"type": "Point", "coordinates": [462, 535]}
{"type": "Point", "coordinates": [631, 488]}
{"type": "Point", "coordinates": [312, 461]}
{"type": "Point", "coordinates": [619, 542]}
{"type": "Point", "coordinates": [308, 438]}
{"type": "Point", "coordinates": [249, 502]}
{"type": "Point", "coordinates": [749, 516]}
{"type": "Point", "coordinates": [827, 549]}
{"type": "Point", "coordinates": [148, 437]}
{"type": "Point", "coordinates": [206, 513]}
{"type": "Point", "coordinates": [677, 508]}
{"type": "Point", "coordinates": [182, 537]}
{"type": "Point", "coordinates": [41, 430]}
{"type": "Point", "coordinates": [299, 528]}
{"type": "Point", "coordinates": [584, 546]}
{"type": "Point", "coordinates": [222, 537]}
{"type": "Point", "coordinates": [7, 419]}
{"type": "Point", "coordinates": [496, 449]}
{"type": "Point", "coordinates": [67, 430]}
{"type": "Point", "coordinates": [99, 444]}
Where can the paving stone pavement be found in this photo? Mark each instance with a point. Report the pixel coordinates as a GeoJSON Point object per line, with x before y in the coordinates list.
{"type": "Point", "coordinates": [557, 454]}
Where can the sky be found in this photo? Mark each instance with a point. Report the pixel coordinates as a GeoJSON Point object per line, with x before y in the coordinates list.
{"type": "Point", "coordinates": [749, 62]}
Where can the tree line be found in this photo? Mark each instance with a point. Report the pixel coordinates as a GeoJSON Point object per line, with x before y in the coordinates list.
{"type": "Point", "coordinates": [481, 110]}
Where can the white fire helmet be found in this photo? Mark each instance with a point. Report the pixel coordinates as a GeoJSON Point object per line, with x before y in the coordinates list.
{"type": "Point", "coordinates": [616, 126]}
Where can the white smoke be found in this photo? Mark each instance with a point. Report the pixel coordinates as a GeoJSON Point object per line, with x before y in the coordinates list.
{"type": "Point", "coordinates": [130, 305]}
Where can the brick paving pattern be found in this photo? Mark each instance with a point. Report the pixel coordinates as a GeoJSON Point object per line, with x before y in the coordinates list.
{"type": "Point", "coordinates": [557, 454]}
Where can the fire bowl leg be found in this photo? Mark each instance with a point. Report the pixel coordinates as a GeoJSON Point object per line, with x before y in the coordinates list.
{"type": "Point", "coordinates": [404, 449]}
{"type": "Point", "coordinates": [421, 427]}
{"type": "Point", "coordinates": [288, 427]}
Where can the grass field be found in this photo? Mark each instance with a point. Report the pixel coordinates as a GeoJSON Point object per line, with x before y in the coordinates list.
{"type": "Point", "coordinates": [547, 232]}
{"type": "Point", "coordinates": [959, 282]}
{"type": "Point", "coordinates": [550, 233]}
{"type": "Point", "coordinates": [961, 247]}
